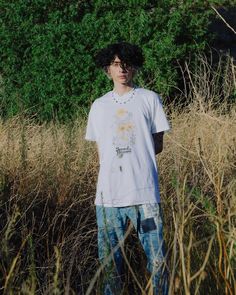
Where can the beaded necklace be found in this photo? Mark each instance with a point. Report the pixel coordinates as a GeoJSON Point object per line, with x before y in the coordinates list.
{"type": "Point", "coordinates": [126, 100]}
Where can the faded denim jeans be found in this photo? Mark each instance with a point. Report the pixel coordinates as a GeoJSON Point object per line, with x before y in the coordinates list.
{"type": "Point", "coordinates": [112, 224]}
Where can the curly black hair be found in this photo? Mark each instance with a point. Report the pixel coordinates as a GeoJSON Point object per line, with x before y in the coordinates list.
{"type": "Point", "coordinates": [129, 54]}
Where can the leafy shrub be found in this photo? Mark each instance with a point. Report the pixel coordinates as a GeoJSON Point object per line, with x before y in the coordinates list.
{"type": "Point", "coordinates": [47, 49]}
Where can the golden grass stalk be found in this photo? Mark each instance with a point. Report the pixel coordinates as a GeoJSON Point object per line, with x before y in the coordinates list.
{"type": "Point", "coordinates": [49, 172]}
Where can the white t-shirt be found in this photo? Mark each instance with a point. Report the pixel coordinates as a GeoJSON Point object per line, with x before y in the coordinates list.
{"type": "Point", "coordinates": [123, 126]}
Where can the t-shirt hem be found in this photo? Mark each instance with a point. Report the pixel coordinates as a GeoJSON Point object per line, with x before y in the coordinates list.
{"type": "Point", "coordinates": [127, 204]}
{"type": "Point", "coordinates": [160, 130]}
{"type": "Point", "coordinates": [90, 139]}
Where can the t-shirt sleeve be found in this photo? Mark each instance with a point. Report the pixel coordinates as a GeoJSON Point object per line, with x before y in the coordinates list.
{"type": "Point", "coordinates": [159, 121]}
{"type": "Point", "coordinates": [91, 130]}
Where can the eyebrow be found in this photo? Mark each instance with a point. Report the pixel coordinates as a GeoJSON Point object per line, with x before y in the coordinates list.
{"type": "Point", "coordinates": [124, 64]}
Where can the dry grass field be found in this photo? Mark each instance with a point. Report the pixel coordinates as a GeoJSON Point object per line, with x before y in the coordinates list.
{"type": "Point", "coordinates": [47, 184]}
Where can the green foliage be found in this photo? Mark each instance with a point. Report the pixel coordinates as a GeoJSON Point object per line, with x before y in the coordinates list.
{"type": "Point", "coordinates": [47, 49]}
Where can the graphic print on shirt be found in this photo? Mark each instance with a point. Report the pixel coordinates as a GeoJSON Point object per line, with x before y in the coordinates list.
{"type": "Point", "coordinates": [124, 129]}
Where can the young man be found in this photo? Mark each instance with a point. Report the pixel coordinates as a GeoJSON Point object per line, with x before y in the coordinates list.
{"type": "Point", "coordinates": [128, 124]}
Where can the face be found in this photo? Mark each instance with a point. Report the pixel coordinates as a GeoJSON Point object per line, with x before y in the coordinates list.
{"type": "Point", "coordinates": [119, 73]}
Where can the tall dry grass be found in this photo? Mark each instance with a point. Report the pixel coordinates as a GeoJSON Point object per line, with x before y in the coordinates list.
{"type": "Point", "coordinates": [48, 178]}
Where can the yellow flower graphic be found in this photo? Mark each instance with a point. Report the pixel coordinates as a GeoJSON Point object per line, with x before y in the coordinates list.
{"type": "Point", "coordinates": [125, 127]}
{"type": "Point", "coordinates": [121, 112]}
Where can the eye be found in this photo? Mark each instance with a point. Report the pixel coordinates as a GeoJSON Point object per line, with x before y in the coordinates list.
{"type": "Point", "coordinates": [115, 64]}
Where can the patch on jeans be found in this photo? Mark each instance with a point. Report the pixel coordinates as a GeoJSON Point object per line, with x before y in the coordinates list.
{"type": "Point", "coordinates": [148, 224]}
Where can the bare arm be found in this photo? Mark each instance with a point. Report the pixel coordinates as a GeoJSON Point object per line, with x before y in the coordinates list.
{"type": "Point", "coordinates": [158, 142]}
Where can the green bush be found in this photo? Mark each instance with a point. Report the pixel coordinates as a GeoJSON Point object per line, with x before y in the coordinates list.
{"type": "Point", "coordinates": [47, 49]}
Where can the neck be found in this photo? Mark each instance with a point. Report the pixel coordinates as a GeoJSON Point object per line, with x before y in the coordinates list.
{"type": "Point", "coordinates": [123, 88]}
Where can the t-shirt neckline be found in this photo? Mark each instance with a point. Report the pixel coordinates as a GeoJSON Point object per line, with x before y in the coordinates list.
{"type": "Point", "coordinates": [124, 97]}
{"type": "Point", "coordinates": [125, 94]}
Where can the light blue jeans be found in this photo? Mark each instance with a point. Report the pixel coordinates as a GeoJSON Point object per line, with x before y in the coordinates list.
{"type": "Point", "coordinates": [112, 224]}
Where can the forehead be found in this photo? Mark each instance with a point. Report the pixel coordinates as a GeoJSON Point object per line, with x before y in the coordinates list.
{"type": "Point", "coordinates": [116, 59]}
